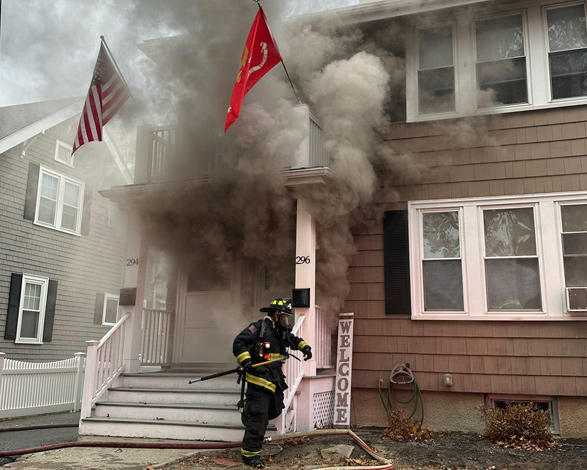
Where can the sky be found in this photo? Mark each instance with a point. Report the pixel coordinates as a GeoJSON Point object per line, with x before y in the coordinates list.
{"type": "Point", "coordinates": [48, 47]}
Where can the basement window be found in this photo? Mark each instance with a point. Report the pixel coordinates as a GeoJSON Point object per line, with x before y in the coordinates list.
{"type": "Point", "coordinates": [547, 404]}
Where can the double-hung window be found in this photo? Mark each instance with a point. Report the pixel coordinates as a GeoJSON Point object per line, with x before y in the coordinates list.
{"type": "Point", "coordinates": [501, 61]}
{"type": "Point", "coordinates": [31, 316]}
{"type": "Point", "coordinates": [507, 258]}
{"type": "Point", "coordinates": [59, 201]}
{"type": "Point", "coordinates": [507, 58]}
{"type": "Point", "coordinates": [436, 72]}
{"type": "Point", "coordinates": [567, 51]}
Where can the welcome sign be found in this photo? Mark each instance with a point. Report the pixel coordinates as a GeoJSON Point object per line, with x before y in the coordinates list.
{"type": "Point", "coordinates": [344, 367]}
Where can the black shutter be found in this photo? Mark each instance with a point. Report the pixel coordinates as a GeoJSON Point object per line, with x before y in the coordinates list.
{"type": "Point", "coordinates": [99, 310]}
{"type": "Point", "coordinates": [13, 305]}
{"type": "Point", "coordinates": [50, 311]}
{"type": "Point", "coordinates": [396, 262]}
{"type": "Point", "coordinates": [32, 187]}
{"type": "Point", "coordinates": [87, 211]}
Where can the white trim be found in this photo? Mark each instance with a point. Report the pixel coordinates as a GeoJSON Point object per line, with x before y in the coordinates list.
{"type": "Point", "coordinates": [549, 252]}
{"type": "Point", "coordinates": [62, 180]}
{"type": "Point", "coordinates": [104, 309]}
{"type": "Point", "coordinates": [44, 283]}
{"type": "Point", "coordinates": [67, 147]}
{"type": "Point", "coordinates": [40, 126]}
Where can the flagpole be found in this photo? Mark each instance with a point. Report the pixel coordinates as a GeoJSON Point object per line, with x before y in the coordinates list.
{"type": "Point", "coordinates": [120, 74]}
{"type": "Point", "coordinates": [258, 2]}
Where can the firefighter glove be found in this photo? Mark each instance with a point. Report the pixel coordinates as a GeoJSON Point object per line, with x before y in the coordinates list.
{"type": "Point", "coordinates": [307, 351]}
{"type": "Point", "coordinates": [247, 364]}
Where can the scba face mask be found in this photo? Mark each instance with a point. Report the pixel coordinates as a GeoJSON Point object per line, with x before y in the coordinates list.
{"type": "Point", "coordinates": [284, 320]}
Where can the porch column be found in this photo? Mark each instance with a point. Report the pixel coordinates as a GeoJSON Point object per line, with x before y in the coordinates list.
{"type": "Point", "coordinates": [134, 277]}
{"type": "Point", "coordinates": [306, 276]}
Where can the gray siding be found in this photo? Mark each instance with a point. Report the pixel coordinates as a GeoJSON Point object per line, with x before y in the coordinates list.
{"type": "Point", "coordinates": [83, 266]}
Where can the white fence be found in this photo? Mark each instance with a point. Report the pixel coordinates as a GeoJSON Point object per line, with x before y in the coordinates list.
{"type": "Point", "coordinates": [30, 388]}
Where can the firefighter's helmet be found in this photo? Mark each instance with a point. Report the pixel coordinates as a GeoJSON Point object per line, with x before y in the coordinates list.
{"type": "Point", "coordinates": [281, 305]}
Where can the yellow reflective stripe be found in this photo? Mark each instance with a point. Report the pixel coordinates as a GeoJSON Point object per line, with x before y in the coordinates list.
{"type": "Point", "coordinates": [302, 345]}
{"type": "Point", "coordinates": [260, 382]}
{"type": "Point", "coordinates": [249, 453]}
{"type": "Point", "coordinates": [276, 356]}
{"type": "Point", "coordinates": [242, 356]}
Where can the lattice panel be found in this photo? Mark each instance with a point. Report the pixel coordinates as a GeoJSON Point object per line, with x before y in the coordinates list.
{"type": "Point", "coordinates": [323, 409]}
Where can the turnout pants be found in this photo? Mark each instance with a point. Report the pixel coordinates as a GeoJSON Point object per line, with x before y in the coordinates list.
{"type": "Point", "coordinates": [261, 405]}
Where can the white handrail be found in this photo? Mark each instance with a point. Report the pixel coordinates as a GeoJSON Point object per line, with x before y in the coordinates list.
{"type": "Point", "coordinates": [103, 364]}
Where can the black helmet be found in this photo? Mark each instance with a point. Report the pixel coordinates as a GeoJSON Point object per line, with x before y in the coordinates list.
{"type": "Point", "coordinates": [281, 305]}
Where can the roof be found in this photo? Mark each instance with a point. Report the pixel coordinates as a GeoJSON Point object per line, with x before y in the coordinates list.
{"type": "Point", "coordinates": [381, 9]}
{"type": "Point", "coordinates": [23, 121]}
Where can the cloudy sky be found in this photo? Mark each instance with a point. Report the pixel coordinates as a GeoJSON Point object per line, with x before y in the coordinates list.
{"type": "Point", "coordinates": [48, 48]}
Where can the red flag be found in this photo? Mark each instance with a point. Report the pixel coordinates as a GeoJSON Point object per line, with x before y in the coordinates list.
{"type": "Point", "coordinates": [259, 56]}
{"type": "Point", "coordinates": [106, 95]}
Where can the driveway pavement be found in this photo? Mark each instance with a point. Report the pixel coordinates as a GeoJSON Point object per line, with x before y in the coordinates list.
{"type": "Point", "coordinates": [74, 457]}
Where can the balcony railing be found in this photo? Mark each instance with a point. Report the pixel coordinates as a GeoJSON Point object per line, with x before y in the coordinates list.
{"type": "Point", "coordinates": [163, 158]}
{"type": "Point", "coordinates": [156, 337]}
{"type": "Point", "coordinates": [324, 330]}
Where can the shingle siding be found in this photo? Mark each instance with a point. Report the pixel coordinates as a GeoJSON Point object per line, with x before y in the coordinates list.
{"type": "Point", "coordinates": [82, 265]}
{"type": "Point", "coordinates": [518, 153]}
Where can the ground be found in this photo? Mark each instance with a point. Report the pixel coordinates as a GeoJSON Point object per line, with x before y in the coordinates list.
{"type": "Point", "coordinates": [450, 451]}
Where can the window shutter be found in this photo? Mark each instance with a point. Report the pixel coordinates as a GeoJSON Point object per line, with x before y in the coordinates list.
{"type": "Point", "coordinates": [99, 311]}
{"type": "Point", "coordinates": [50, 311]}
{"type": "Point", "coordinates": [13, 304]}
{"type": "Point", "coordinates": [87, 211]}
{"type": "Point", "coordinates": [32, 187]}
{"type": "Point", "coordinates": [396, 262]}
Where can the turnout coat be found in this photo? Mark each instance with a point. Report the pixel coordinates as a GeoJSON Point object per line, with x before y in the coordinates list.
{"type": "Point", "coordinates": [262, 341]}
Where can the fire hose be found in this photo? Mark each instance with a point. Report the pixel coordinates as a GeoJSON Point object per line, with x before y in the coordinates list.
{"type": "Point", "coordinates": [386, 464]}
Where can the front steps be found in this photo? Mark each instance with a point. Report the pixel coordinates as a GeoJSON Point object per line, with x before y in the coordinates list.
{"type": "Point", "coordinates": [162, 405]}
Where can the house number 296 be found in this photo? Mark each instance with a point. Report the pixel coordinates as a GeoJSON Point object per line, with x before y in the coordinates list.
{"type": "Point", "coordinates": [302, 260]}
{"type": "Point", "coordinates": [132, 261]}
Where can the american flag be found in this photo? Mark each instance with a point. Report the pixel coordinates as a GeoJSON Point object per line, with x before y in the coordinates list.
{"type": "Point", "coordinates": [106, 95]}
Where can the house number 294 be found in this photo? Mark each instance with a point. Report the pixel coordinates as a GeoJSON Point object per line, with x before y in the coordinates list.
{"type": "Point", "coordinates": [132, 261]}
{"type": "Point", "coordinates": [302, 260]}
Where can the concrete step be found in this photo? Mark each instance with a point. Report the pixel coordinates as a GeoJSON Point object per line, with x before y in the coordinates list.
{"type": "Point", "coordinates": [176, 412]}
{"type": "Point", "coordinates": [156, 429]}
{"type": "Point", "coordinates": [163, 395]}
{"type": "Point", "coordinates": [173, 380]}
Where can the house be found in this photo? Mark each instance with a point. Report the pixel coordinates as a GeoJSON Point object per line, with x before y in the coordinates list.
{"type": "Point", "coordinates": [62, 245]}
{"type": "Point", "coordinates": [466, 204]}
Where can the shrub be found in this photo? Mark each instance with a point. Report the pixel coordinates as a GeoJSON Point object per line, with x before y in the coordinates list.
{"type": "Point", "coordinates": [519, 425]}
{"type": "Point", "coordinates": [402, 428]}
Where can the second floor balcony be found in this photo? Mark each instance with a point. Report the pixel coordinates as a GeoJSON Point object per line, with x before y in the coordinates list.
{"type": "Point", "coordinates": [161, 154]}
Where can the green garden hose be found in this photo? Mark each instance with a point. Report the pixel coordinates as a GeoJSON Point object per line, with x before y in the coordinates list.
{"type": "Point", "coordinates": [402, 375]}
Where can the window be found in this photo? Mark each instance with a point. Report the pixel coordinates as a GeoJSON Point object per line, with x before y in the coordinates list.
{"type": "Point", "coordinates": [59, 201]}
{"type": "Point", "coordinates": [436, 76]}
{"type": "Point", "coordinates": [110, 312]}
{"type": "Point", "coordinates": [31, 309]}
{"type": "Point", "coordinates": [63, 153]}
{"type": "Point", "coordinates": [498, 258]}
{"type": "Point", "coordinates": [567, 51]}
{"type": "Point", "coordinates": [516, 56]}
{"type": "Point", "coordinates": [441, 265]}
{"type": "Point", "coordinates": [501, 61]}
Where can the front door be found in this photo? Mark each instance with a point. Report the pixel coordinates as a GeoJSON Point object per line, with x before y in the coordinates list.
{"type": "Point", "coordinates": [203, 336]}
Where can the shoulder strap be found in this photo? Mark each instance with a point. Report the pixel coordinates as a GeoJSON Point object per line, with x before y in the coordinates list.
{"type": "Point", "coordinates": [262, 330]}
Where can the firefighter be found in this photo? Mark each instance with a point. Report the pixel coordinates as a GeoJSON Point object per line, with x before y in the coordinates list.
{"type": "Point", "coordinates": [264, 340]}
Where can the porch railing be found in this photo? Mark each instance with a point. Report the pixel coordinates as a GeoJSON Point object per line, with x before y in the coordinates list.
{"type": "Point", "coordinates": [32, 388]}
{"type": "Point", "coordinates": [104, 362]}
{"type": "Point", "coordinates": [323, 347]}
{"type": "Point", "coordinates": [156, 337]}
{"type": "Point", "coordinates": [294, 373]}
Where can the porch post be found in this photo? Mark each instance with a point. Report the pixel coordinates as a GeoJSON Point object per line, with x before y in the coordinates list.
{"type": "Point", "coordinates": [306, 276]}
{"type": "Point", "coordinates": [134, 277]}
